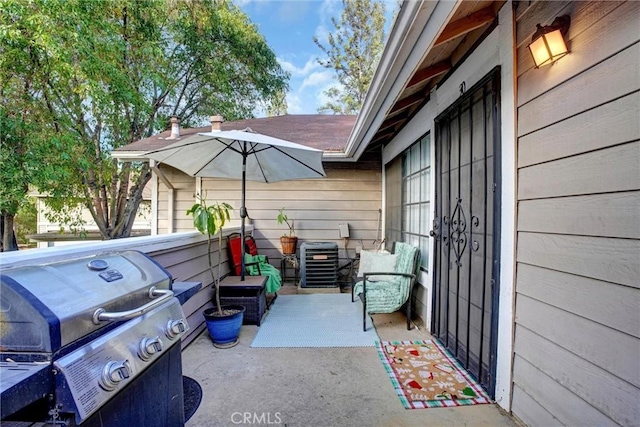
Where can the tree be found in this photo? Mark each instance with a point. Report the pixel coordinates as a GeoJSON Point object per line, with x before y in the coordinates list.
{"type": "Point", "coordinates": [353, 53]}
{"type": "Point", "coordinates": [278, 106]}
{"type": "Point", "coordinates": [13, 188]}
{"type": "Point", "coordinates": [99, 74]}
{"type": "Point", "coordinates": [26, 221]}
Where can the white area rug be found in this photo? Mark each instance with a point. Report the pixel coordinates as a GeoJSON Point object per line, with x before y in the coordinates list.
{"type": "Point", "coordinates": [315, 320]}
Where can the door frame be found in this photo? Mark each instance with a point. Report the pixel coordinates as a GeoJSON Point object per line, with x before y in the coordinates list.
{"type": "Point", "coordinates": [495, 75]}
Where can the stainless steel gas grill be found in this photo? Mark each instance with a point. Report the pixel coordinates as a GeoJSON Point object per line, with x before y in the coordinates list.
{"type": "Point", "coordinates": [91, 341]}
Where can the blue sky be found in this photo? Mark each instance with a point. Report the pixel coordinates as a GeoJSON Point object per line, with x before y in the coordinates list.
{"type": "Point", "coordinates": [289, 27]}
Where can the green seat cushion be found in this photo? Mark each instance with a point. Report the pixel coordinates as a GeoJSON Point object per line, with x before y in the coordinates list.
{"type": "Point", "coordinates": [387, 296]}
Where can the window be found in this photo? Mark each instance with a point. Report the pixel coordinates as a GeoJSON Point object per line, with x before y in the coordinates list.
{"type": "Point", "coordinates": [408, 203]}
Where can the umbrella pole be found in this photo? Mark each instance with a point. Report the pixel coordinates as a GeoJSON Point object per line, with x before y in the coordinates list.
{"type": "Point", "coordinates": [243, 213]}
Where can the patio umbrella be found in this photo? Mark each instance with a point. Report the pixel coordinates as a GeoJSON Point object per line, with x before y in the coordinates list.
{"type": "Point", "coordinates": [241, 154]}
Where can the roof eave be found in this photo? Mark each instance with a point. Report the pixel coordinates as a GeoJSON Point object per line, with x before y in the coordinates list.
{"type": "Point", "coordinates": [129, 156]}
{"type": "Point", "coordinates": [337, 156]}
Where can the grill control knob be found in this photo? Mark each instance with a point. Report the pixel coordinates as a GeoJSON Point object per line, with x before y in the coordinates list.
{"type": "Point", "coordinates": [175, 328]}
{"type": "Point", "coordinates": [148, 347]}
{"type": "Point", "coordinates": [113, 373]}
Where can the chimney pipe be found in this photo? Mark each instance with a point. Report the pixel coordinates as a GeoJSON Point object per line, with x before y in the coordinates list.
{"type": "Point", "coordinates": [175, 128]}
{"type": "Point", "coordinates": [216, 123]}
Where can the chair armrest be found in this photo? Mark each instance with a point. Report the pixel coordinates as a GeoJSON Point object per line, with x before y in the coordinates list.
{"type": "Point", "coordinates": [363, 295]}
{"type": "Point", "coordinates": [248, 264]}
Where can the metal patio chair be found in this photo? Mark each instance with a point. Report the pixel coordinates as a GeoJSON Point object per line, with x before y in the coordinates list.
{"type": "Point", "coordinates": [235, 252]}
{"type": "Point", "coordinates": [255, 264]}
{"type": "Point", "coordinates": [390, 290]}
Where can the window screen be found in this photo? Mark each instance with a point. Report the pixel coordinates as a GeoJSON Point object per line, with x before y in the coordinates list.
{"type": "Point", "coordinates": [408, 179]}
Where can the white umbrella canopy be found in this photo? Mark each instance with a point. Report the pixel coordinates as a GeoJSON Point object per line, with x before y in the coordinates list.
{"type": "Point", "coordinates": [244, 155]}
{"type": "Point", "coordinates": [219, 154]}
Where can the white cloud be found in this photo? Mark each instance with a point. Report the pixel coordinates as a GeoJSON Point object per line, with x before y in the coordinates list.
{"type": "Point", "coordinates": [303, 71]}
{"type": "Point", "coordinates": [241, 3]}
{"type": "Point", "coordinates": [290, 11]}
{"type": "Point", "coordinates": [322, 97]}
{"type": "Point", "coordinates": [327, 10]}
{"type": "Point", "coordinates": [294, 104]}
{"type": "Point", "coordinates": [322, 34]}
{"type": "Point", "coordinates": [317, 78]}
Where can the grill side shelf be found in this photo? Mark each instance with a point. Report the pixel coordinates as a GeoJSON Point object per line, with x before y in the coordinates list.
{"type": "Point", "coordinates": [22, 384]}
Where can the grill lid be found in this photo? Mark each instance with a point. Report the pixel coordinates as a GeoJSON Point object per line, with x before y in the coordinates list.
{"type": "Point", "coordinates": [47, 306]}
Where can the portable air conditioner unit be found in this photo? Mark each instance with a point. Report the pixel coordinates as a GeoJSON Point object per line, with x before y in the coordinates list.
{"type": "Point", "coordinates": [319, 265]}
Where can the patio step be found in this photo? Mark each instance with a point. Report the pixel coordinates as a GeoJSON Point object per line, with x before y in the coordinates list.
{"type": "Point", "coordinates": [323, 290]}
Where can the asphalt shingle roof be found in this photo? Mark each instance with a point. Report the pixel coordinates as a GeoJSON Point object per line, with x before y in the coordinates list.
{"type": "Point", "coordinates": [324, 132]}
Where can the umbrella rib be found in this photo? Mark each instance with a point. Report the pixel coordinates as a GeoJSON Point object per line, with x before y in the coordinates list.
{"type": "Point", "coordinates": [227, 146]}
{"type": "Point", "coordinates": [253, 145]}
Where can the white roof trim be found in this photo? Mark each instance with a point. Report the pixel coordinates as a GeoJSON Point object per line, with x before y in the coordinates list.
{"type": "Point", "coordinates": [130, 156]}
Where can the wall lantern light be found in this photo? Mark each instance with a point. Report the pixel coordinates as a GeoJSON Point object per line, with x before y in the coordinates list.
{"type": "Point", "coordinates": [547, 44]}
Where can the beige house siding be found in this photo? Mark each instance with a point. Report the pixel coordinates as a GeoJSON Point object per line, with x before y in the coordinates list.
{"type": "Point", "coordinates": [183, 198]}
{"type": "Point", "coordinates": [577, 334]}
{"type": "Point", "coordinates": [318, 206]}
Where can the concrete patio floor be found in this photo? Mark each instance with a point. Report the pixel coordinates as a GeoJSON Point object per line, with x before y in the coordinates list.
{"type": "Point", "coordinates": [311, 387]}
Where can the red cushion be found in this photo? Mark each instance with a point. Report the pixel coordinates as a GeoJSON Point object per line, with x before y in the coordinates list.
{"type": "Point", "coordinates": [235, 251]}
{"type": "Point", "coordinates": [250, 246]}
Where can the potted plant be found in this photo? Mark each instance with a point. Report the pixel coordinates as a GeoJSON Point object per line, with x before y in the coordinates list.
{"type": "Point", "coordinates": [289, 242]}
{"type": "Point", "coordinates": [223, 323]}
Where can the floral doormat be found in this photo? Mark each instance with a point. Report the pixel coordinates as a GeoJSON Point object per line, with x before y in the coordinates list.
{"type": "Point", "coordinates": [425, 375]}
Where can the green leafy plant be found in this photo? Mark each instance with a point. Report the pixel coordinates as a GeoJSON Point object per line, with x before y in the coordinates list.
{"type": "Point", "coordinates": [209, 220]}
{"type": "Point", "coordinates": [282, 218]}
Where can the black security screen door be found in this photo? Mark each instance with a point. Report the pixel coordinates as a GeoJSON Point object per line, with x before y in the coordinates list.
{"type": "Point", "coordinates": [466, 227]}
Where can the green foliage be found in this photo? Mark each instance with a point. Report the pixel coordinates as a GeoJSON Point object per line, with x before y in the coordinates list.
{"type": "Point", "coordinates": [353, 53]}
{"type": "Point", "coordinates": [12, 153]}
{"type": "Point", "coordinates": [209, 220]}
{"type": "Point", "coordinates": [82, 77]}
{"type": "Point", "coordinates": [278, 106]}
{"type": "Point", "coordinates": [282, 218]}
{"type": "Point", "coordinates": [26, 221]}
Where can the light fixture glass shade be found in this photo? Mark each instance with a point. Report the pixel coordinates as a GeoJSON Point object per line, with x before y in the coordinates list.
{"type": "Point", "coordinates": [548, 45]}
{"type": "Point", "coordinates": [539, 52]}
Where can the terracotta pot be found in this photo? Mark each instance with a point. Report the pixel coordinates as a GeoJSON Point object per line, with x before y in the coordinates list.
{"type": "Point", "coordinates": [288, 244]}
